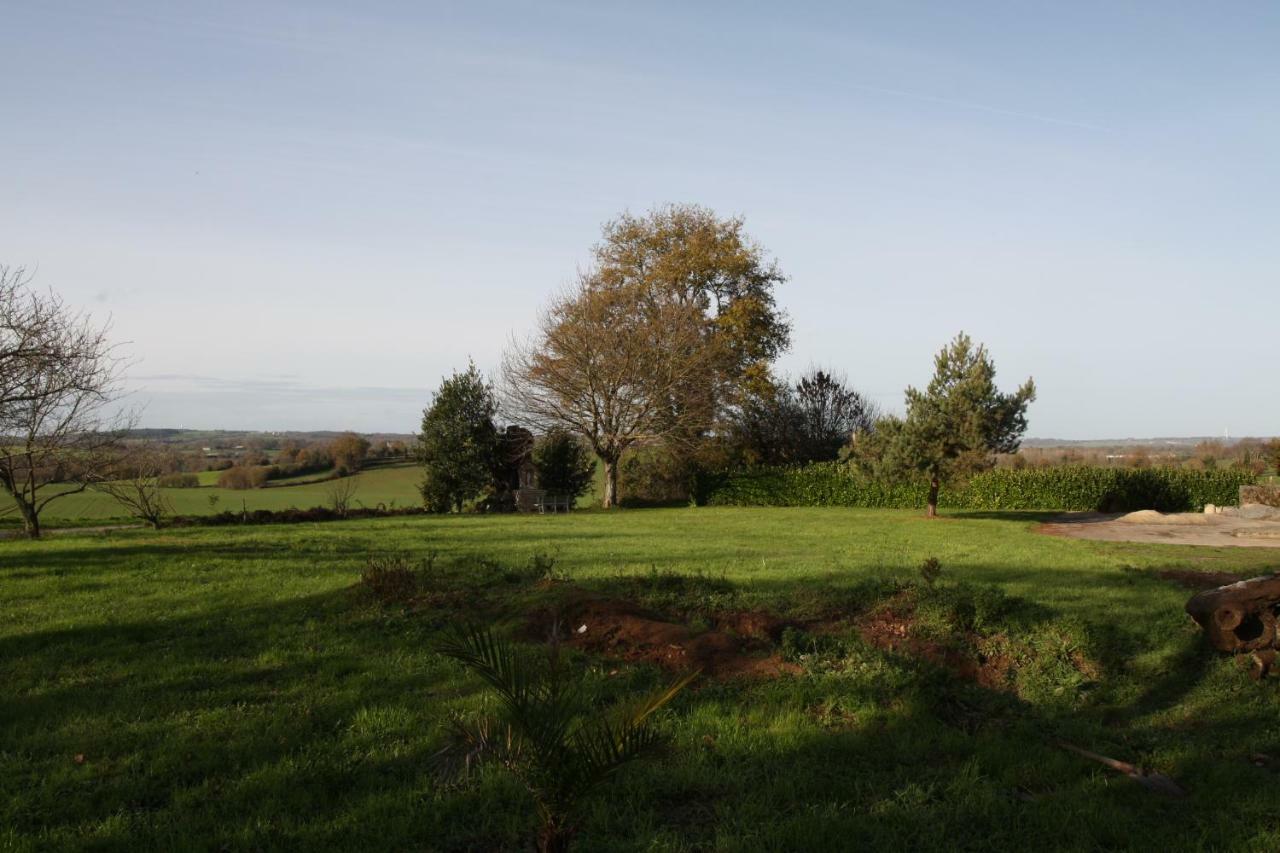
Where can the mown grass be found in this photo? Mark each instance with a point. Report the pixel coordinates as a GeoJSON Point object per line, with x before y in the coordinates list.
{"type": "Point", "coordinates": [231, 689]}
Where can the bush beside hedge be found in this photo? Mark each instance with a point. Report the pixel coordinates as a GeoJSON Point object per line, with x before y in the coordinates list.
{"type": "Point", "coordinates": [1074, 487]}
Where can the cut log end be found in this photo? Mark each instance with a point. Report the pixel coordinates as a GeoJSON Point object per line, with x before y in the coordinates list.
{"type": "Point", "coordinates": [1240, 617]}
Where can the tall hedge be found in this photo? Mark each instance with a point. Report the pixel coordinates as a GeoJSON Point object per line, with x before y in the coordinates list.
{"type": "Point", "coordinates": [1072, 487]}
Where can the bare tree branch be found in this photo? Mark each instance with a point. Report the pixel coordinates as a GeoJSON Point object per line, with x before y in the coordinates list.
{"type": "Point", "coordinates": [59, 376]}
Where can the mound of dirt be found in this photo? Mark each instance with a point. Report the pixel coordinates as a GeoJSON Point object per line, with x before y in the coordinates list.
{"type": "Point", "coordinates": [1150, 516]}
{"type": "Point", "coordinates": [739, 647]}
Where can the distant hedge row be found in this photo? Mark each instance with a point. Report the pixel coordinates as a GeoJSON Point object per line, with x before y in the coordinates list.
{"type": "Point", "coordinates": [292, 515]}
{"type": "Point", "coordinates": [1071, 487]}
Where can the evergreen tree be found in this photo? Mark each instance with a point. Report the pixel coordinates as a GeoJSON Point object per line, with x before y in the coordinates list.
{"type": "Point", "coordinates": [959, 422]}
{"type": "Point", "coordinates": [564, 464]}
{"type": "Point", "coordinates": [458, 444]}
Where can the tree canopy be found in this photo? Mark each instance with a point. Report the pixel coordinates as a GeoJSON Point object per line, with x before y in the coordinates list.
{"type": "Point", "coordinates": [958, 423]}
{"type": "Point", "coordinates": [673, 321]}
{"type": "Point", "coordinates": [686, 253]}
{"type": "Point", "coordinates": [563, 463]}
{"type": "Point", "coordinates": [810, 420]}
{"type": "Point", "coordinates": [458, 443]}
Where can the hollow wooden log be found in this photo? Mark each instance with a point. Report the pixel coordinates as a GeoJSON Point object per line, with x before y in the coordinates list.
{"type": "Point", "coordinates": [1239, 617]}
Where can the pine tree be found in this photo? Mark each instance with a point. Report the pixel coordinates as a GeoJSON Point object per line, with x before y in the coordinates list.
{"type": "Point", "coordinates": [960, 421]}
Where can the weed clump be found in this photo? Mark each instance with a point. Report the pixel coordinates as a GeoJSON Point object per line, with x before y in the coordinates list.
{"type": "Point", "coordinates": [540, 568]}
{"type": "Point", "coordinates": [395, 578]}
{"type": "Point", "coordinates": [930, 571]}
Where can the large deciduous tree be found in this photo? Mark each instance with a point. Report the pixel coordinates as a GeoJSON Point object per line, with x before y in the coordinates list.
{"type": "Point", "coordinates": [959, 422]}
{"type": "Point", "coordinates": [59, 379]}
{"type": "Point", "coordinates": [686, 253]}
{"type": "Point", "coordinates": [672, 324]}
{"type": "Point", "coordinates": [615, 369]}
{"type": "Point", "coordinates": [458, 444]}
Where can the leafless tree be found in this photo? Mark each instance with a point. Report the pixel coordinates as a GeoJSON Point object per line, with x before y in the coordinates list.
{"type": "Point", "coordinates": [619, 366]}
{"type": "Point", "coordinates": [341, 491]}
{"type": "Point", "coordinates": [59, 379]}
{"type": "Point", "coordinates": [135, 484]}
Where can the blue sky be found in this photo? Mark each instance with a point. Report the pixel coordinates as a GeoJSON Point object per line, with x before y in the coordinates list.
{"type": "Point", "coordinates": [302, 215]}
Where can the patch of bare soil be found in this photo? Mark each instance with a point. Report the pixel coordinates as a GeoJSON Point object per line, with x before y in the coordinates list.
{"type": "Point", "coordinates": [740, 646]}
{"type": "Point", "coordinates": [1148, 526]}
{"type": "Point", "coordinates": [892, 628]}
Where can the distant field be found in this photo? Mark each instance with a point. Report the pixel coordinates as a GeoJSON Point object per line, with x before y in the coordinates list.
{"type": "Point", "coordinates": [388, 484]}
{"type": "Point", "coordinates": [392, 483]}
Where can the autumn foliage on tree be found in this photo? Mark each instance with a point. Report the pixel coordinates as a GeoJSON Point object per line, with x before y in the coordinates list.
{"type": "Point", "coordinates": [673, 321]}
{"type": "Point", "coordinates": [349, 451]}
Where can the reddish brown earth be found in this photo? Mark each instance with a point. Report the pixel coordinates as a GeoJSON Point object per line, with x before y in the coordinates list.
{"type": "Point", "coordinates": [892, 628]}
{"type": "Point", "coordinates": [744, 645]}
{"type": "Point", "coordinates": [739, 646]}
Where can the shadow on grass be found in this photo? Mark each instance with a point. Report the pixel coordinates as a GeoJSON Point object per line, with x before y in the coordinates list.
{"type": "Point", "coordinates": [1027, 516]}
{"type": "Point", "coordinates": [309, 723]}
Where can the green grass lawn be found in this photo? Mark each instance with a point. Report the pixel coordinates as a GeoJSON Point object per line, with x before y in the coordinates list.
{"type": "Point", "coordinates": [388, 484]}
{"type": "Point", "coordinates": [234, 689]}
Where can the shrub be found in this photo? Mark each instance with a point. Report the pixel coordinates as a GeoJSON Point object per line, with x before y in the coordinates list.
{"type": "Point", "coordinates": [178, 481]}
{"type": "Point", "coordinates": [547, 728]}
{"type": "Point", "coordinates": [1069, 487]}
{"type": "Point", "coordinates": [653, 476]}
{"type": "Point", "coordinates": [391, 580]}
{"type": "Point", "coordinates": [564, 464]}
{"type": "Point", "coordinates": [930, 570]}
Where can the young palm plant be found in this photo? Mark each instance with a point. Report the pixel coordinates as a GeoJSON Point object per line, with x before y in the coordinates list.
{"type": "Point", "coordinates": [545, 729]}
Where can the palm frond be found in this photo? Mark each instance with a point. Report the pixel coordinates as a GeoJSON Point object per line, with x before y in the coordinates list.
{"type": "Point", "coordinates": [609, 741]}
{"type": "Point", "coordinates": [473, 742]}
{"type": "Point", "coordinates": [637, 712]}
{"type": "Point", "coordinates": [494, 659]}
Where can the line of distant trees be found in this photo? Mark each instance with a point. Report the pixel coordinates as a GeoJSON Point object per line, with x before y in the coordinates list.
{"type": "Point", "coordinates": [1256, 455]}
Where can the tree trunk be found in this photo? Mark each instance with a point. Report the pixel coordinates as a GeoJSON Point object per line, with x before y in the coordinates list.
{"type": "Point", "coordinates": [555, 836]}
{"type": "Point", "coordinates": [933, 497]}
{"type": "Point", "coordinates": [30, 519]}
{"type": "Point", "coordinates": [610, 498]}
